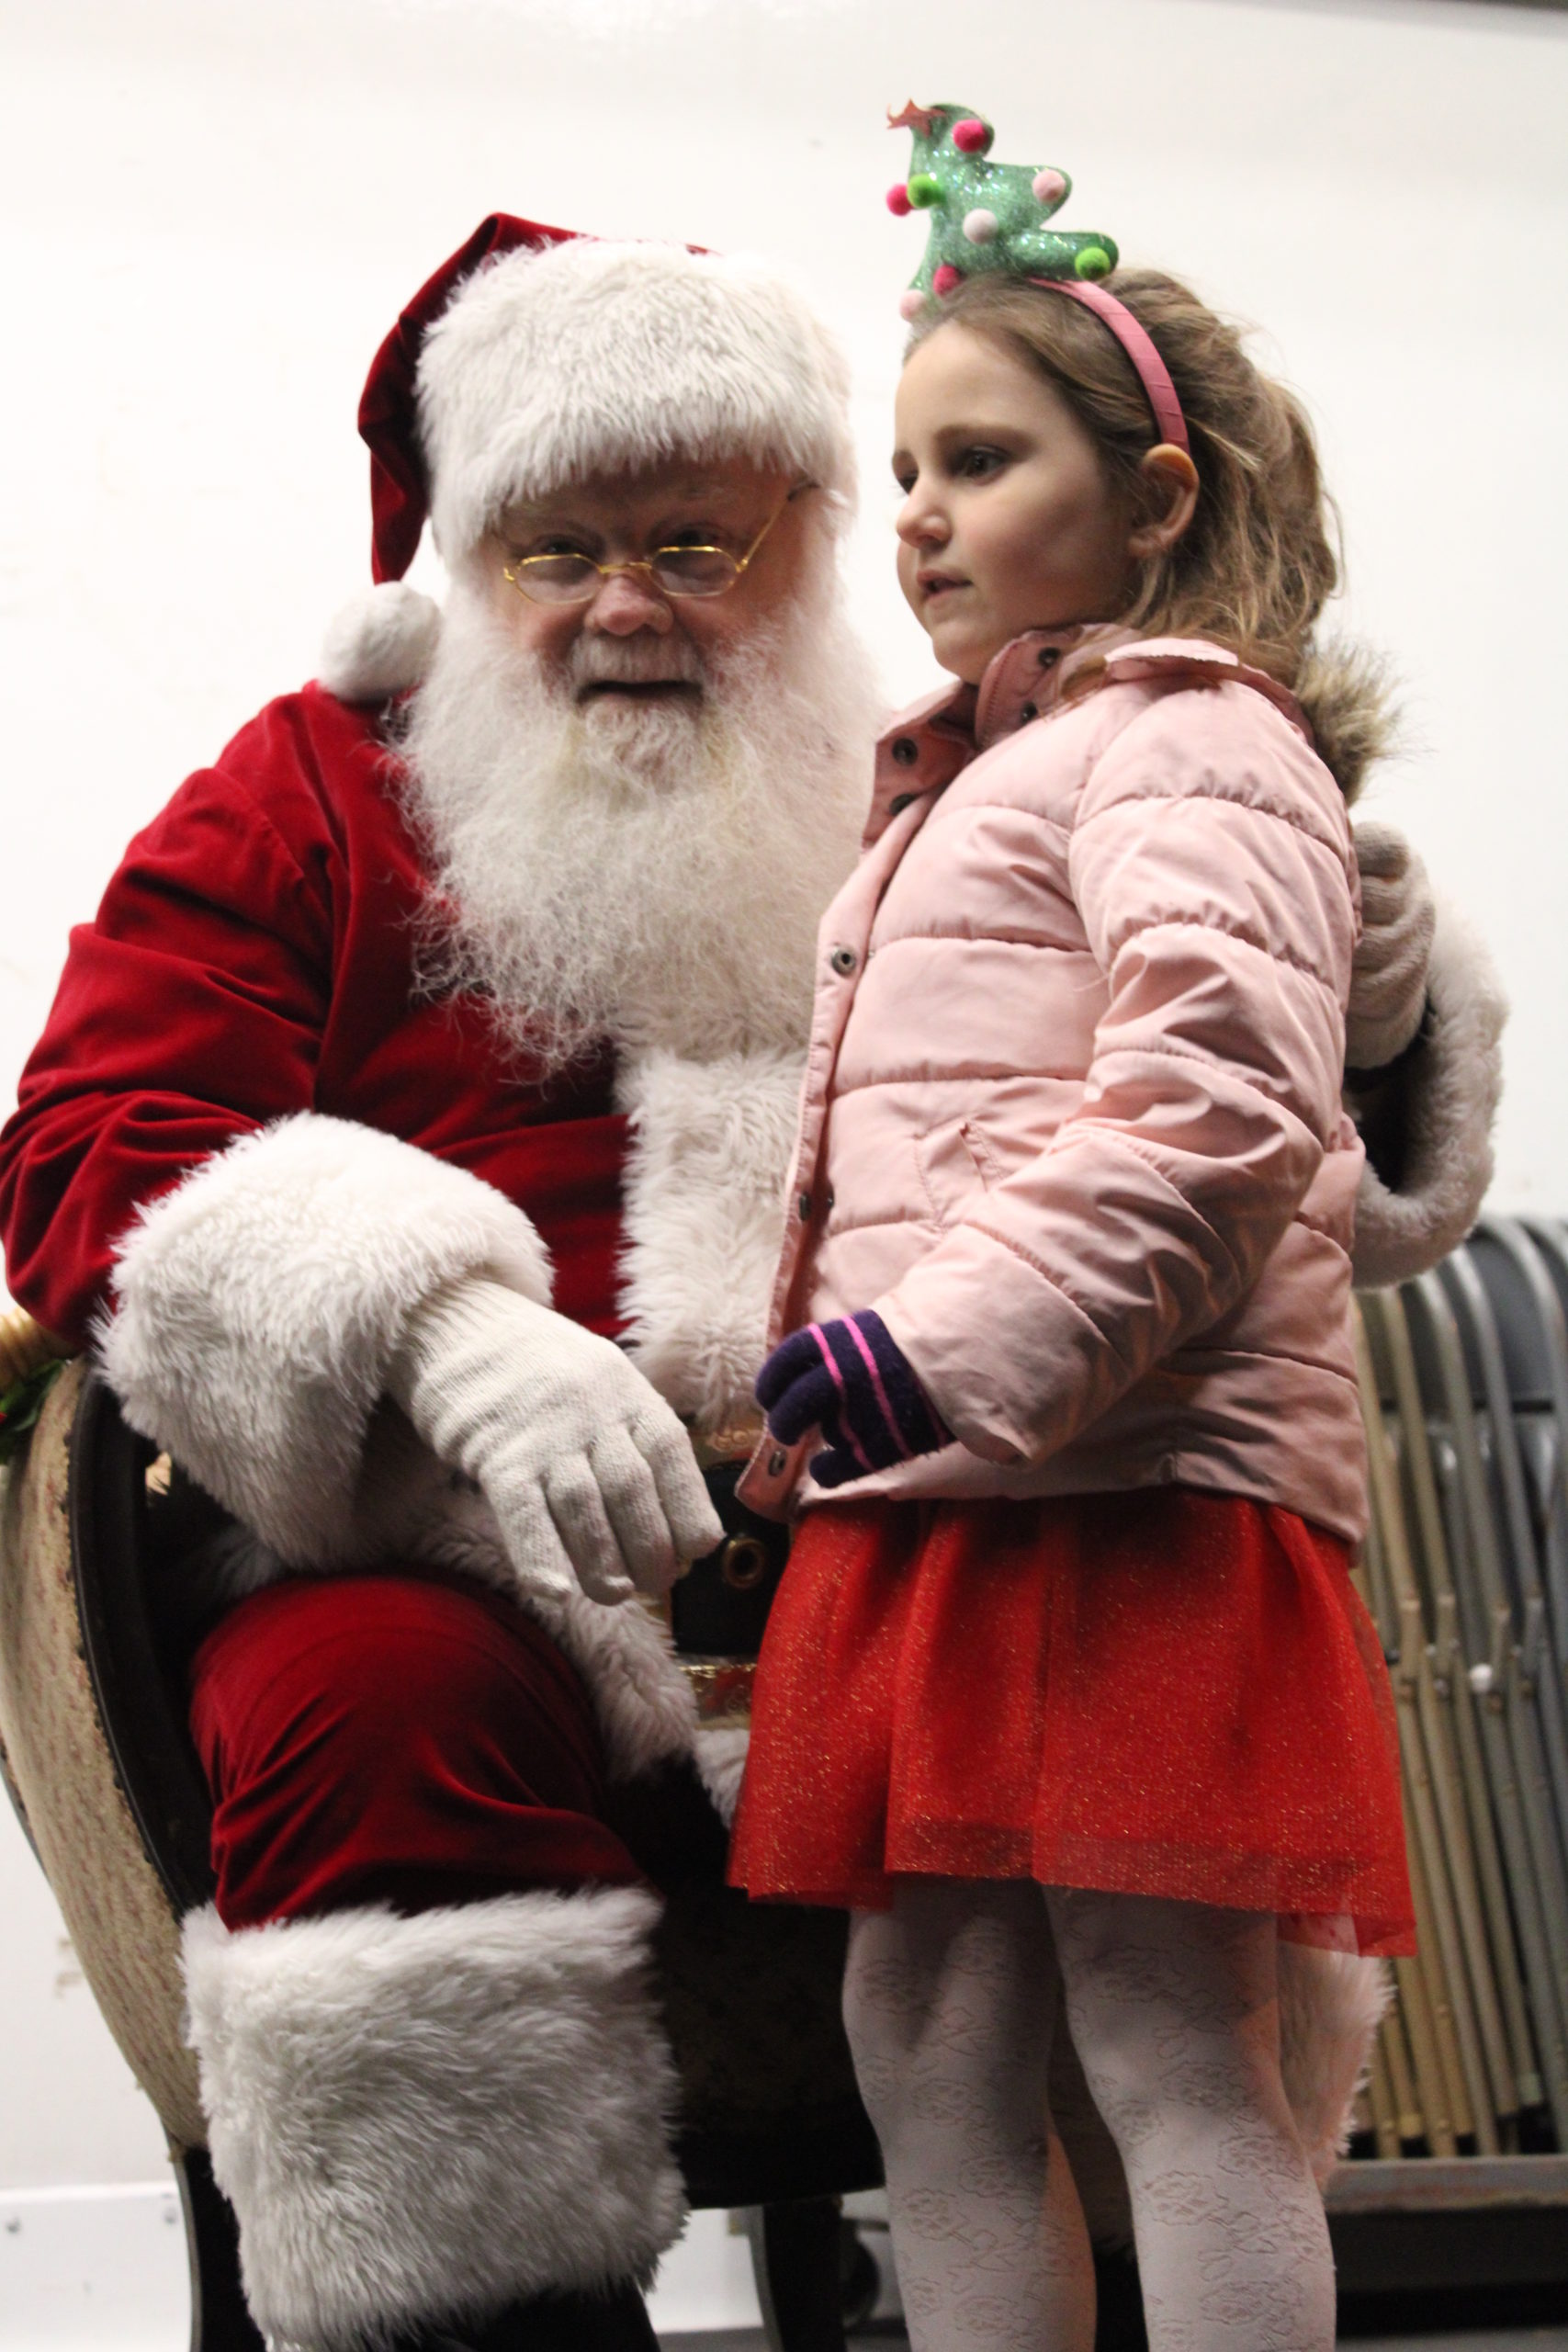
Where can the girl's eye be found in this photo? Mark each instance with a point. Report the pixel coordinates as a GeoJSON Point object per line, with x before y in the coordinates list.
{"type": "Point", "coordinates": [978, 465]}
{"type": "Point", "coordinates": [904, 483]}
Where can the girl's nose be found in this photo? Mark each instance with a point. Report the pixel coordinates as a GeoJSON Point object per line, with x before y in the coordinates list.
{"type": "Point", "coordinates": [920, 521]}
{"type": "Point", "coordinates": [627, 601]}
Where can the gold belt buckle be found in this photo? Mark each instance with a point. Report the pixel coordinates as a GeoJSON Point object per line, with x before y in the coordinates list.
{"type": "Point", "coordinates": [722, 1688]}
{"type": "Point", "coordinates": [736, 1444]}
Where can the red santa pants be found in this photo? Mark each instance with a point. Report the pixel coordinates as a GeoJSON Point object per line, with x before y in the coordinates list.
{"type": "Point", "coordinates": [409, 1740]}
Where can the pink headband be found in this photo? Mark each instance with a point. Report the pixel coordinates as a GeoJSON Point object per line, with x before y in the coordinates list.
{"type": "Point", "coordinates": [1138, 345]}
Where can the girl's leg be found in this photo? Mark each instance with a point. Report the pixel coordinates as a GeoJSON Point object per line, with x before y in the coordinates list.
{"type": "Point", "coordinates": [950, 1999]}
{"type": "Point", "coordinates": [1173, 2010]}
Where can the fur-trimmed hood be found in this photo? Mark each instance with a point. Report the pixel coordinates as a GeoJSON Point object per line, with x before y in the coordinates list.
{"type": "Point", "coordinates": [1346, 696]}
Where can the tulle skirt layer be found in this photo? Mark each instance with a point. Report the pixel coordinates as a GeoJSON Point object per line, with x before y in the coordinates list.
{"type": "Point", "coordinates": [1160, 1692]}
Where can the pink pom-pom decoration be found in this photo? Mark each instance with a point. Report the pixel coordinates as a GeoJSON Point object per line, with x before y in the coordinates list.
{"type": "Point", "coordinates": [899, 202]}
{"type": "Point", "coordinates": [980, 226]}
{"type": "Point", "coordinates": [971, 136]}
{"type": "Point", "coordinates": [946, 278]}
{"type": "Point", "coordinates": [1049, 187]}
{"type": "Point", "coordinates": [911, 302]}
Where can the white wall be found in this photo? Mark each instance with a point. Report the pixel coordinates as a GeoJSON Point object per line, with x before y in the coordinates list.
{"type": "Point", "coordinates": [213, 210]}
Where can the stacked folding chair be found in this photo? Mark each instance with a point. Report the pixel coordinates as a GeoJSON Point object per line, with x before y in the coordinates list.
{"type": "Point", "coordinates": [1464, 1386]}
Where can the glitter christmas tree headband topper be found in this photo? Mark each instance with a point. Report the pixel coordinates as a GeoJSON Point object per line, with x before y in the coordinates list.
{"type": "Point", "coordinates": [984, 215]}
{"type": "Point", "coordinates": [987, 216]}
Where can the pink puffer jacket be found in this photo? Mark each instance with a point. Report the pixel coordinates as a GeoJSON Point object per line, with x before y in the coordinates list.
{"type": "Point", "coordinates": [1072, 1120]}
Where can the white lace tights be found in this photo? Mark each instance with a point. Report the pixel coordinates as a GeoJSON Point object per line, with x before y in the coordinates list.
{"type": "Point", "coordinates": [950, 1999]}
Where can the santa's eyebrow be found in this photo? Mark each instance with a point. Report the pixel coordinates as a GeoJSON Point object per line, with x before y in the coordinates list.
{"type": "Point", "coordinates": [721, 501]}
{"type": "Point", "coordinates": [520, 524]}
{"type": "Point", "coordinates": [725, 508]}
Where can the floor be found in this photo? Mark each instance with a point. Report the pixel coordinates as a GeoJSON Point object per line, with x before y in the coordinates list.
{"type": "Point", "coordinates": [1511, 2340]}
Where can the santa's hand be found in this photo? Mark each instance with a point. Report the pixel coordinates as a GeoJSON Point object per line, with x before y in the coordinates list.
{"type": "Point", "coordinates": [851, 1379]}
{"type": "Point", "coordinates": [588, 1472]}
{"type": "Point", "coordinates": [1388, 979]}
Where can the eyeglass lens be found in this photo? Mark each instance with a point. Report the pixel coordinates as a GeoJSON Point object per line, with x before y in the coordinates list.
{"type": "Point", "coordinates": [678, 572]}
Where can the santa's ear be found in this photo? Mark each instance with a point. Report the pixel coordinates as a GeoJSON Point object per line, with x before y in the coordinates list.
{"type": "Point", "coordinates": [380, 643]}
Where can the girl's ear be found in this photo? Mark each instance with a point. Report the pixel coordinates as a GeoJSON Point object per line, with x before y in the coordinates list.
{"type": "Point", "coordinates": [1171, 496]}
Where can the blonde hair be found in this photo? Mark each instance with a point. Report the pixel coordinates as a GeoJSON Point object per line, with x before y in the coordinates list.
{"type": "Point", "coordinates": [1261, 554]}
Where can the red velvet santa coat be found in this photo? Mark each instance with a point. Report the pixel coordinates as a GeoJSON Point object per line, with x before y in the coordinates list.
{"type": "Point", "coordinates": [247, 1130]}
{"type": "Point", "coordinates": [253, 957]}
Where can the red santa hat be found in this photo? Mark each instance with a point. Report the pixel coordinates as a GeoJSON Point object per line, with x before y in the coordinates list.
{"type": "Point", "coordinates": [534, 357]}
{"type": "Point", "coordinates": [389, 406]}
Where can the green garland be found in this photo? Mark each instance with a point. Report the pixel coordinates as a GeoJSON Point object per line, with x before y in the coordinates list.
{"type": "Point", "coordinates": [21, 1404]}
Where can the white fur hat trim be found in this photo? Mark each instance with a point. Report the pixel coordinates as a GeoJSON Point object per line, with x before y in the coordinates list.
{"type": "Point", "coordinates": [592, 357]}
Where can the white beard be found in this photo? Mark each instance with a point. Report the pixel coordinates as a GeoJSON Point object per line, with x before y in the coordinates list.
{"type": "Point", "coordinates": [648, 874]}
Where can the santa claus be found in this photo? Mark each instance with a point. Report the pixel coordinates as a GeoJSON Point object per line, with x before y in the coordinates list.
{"type": "Point", "coordinates": [409, 1134]}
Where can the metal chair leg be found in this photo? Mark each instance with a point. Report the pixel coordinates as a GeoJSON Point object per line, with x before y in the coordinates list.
{"type": "Point", "coordinates": [795, 2254]}
{"type": "Point", "coordinates": [219, 2317]}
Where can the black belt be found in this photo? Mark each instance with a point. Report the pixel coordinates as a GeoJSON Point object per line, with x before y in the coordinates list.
{"type": "Point", "coordinates": [718, 1610]}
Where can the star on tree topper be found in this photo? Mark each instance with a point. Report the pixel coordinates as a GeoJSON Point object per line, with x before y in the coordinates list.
{"type": "Point", "coordinates": [984, 216]}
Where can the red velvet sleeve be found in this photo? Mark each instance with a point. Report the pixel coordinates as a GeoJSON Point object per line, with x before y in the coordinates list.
{"type": "Point", "coordinates": [190, 1011]}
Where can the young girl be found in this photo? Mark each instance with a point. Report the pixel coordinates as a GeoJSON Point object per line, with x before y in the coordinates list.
{"type": "Point", "coordinates": [1069, 1697]}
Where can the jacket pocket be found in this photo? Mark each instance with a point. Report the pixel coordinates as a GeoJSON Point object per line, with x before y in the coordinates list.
{"type": "Point", "coordinates": [954, 1162]}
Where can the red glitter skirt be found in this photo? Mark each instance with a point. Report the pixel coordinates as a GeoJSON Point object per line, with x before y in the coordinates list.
{"type": "Point", "coordinates": [1159, 1693]}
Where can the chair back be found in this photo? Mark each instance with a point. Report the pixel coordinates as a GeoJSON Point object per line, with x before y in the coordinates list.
{"type": "Point", "coordinates": [102, 1817]}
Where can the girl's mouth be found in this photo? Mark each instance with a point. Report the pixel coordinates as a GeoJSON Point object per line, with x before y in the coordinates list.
{"type": "Point", "coordinates": [935, 585]}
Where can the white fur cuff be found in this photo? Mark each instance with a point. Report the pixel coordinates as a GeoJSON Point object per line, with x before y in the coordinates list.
{"type": "Point", "coordinates": [427, 2117]}
{"type": "Point", "coordinates": [1450, 1092]}
{"type": "Point", "coordinates": [259, 1304]}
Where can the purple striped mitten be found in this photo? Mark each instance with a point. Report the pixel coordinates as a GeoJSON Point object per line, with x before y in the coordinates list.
{"type": "Point", "coordinates": [851, 1379]}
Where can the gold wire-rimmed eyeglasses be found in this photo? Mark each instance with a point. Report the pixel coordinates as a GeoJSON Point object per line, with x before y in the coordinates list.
{"type": "Point", "coordinates": [574, 579]}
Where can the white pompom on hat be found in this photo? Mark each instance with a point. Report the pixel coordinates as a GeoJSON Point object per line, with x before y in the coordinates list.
{"type": "Point", "coordinates": [380, 643]}
{"type": "Point", "coordinates": [589, 357]}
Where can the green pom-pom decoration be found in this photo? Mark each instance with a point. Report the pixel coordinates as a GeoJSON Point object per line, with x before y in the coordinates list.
{"type": "Point", "coordinates": [953, 181]}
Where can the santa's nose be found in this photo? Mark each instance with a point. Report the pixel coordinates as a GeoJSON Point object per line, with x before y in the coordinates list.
{"type": "Point", "coordinates": [627, 601]}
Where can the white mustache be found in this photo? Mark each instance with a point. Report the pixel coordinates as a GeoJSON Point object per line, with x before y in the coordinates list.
{"type": "Point", "coordinates": [634, 660]}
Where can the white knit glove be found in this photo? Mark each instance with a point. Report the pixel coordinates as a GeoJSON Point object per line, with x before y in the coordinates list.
{"type": "Point", "coordinates": [588, 1472]}
{"type": "Point", "coordinates": [1388, 979]}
